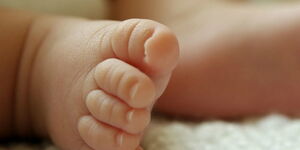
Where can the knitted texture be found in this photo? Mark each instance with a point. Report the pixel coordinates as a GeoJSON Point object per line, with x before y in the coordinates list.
{"type": "Point", "coordinates": [273, 132]}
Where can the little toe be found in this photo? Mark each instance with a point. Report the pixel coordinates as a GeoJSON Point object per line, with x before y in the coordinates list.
{"type": "Point", "coordinates": [125, 82]}
{"type": "Point", "coordinates": [112, 111]}
{"type": "Point", "coordinates": [101, 136]}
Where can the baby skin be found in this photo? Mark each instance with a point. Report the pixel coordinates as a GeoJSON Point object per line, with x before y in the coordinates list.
{"type": "Point", "coordinates": [88, 85]}
{"type": "Point", "coordinates": [91, 85]}
{"type": "Point", "coordinates": [237, 58]}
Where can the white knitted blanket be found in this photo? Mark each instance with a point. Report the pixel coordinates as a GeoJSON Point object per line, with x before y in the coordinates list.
{"type": "Point", "coordinates": [273, 132]}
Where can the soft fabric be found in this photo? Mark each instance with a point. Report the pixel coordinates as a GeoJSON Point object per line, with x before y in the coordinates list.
{"type": "Point", "coordinates": [273, 132]}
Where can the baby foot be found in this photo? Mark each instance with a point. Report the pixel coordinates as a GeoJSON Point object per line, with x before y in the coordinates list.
{"type": "Point", "coordinates": [93, 84]}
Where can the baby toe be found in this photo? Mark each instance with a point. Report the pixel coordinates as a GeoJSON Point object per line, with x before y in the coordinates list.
{"type": "Point", "coordinates": [110, 110]}
{"type": "Point", "coordinates": [126, 82]}
{"type": "Point", "coordinates": [101, 136]}
{"type": "Point", "coordinates": [149, 45]}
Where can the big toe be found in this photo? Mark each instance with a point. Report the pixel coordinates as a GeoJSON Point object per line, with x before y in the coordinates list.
{"type": "Point", "coordinates": [150, 46]}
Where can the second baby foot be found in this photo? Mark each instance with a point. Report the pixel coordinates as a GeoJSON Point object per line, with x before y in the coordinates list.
{"type": "Point", "coordinates": [93, 83]}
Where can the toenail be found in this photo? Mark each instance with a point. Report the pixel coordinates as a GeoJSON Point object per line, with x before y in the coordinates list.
{"type": "Point", "coordinates": [133, 91]}
{"type": "Point", "coordinates": [130, 115]}
{"type": "Point", "coordinates": [120, 139]}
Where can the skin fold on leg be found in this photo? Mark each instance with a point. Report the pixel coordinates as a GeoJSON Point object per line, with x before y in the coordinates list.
{"type": "Point", "coordinates": [14, 27]}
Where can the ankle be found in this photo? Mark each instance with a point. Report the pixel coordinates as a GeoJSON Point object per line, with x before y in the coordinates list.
{"type": "Point", "coordinates": [30, 117]}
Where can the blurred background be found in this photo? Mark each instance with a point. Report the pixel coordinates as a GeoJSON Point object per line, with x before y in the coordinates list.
{"type": "Point", "coordinates": [95, 9]}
